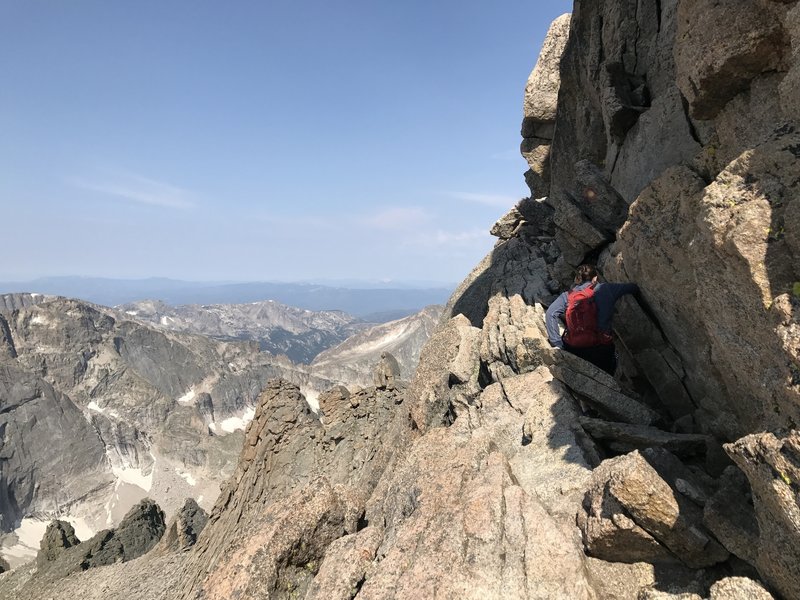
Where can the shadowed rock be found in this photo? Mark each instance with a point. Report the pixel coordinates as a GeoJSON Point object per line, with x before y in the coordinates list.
{"type": "Point", "coordinates": [624, 437]}
{"type": "Point", "coordinates": [58, 536]}
{"type": "Point", "coordinates": [61, 554]}
{"type": "Point", "coordinates": [614, 403]}
{"type": "Point", "coordinates": [185, 527]}
{"type": "Point", "coordinates": [730, 516]}
{"type": "Point", "coordinates": [138, 532]}
{"type": "Point", "coordinates": [772, 464]}
{"type": "Point", "coordinates": [6, 341]}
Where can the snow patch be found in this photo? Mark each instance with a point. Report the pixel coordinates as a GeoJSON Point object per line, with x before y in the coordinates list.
{"type": "Point", "coordinates": [188, 477]}
{"type": "Point", "coordinates": [187, 397]}
{"type": "Point", "coordinates": [132, 313]}
{"type": "Point", "coordinates": [82, 528]}
{"type": "Point", "coordinates": [94, 407]}
{"type": "Point", "coordinates": [134, 476]}
{"type": "Point", "coordinates": [312, 398]}
{"type": "Point", "coordinates": [29, 534]}
{"type": "Point", "coordinates": [39, 320]}
{"type": "Point", "coordinates": [231, 424]}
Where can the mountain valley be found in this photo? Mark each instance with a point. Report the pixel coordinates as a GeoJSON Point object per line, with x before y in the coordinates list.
{"type": "Point", "coordinates": [137, 408]}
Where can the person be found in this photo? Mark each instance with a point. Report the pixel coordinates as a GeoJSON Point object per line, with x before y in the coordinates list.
{"type": "Point", "coordinates": [596, 346]}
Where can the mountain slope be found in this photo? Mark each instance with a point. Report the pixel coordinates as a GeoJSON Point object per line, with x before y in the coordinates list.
{"type": "Point", "coordinates": [98, 411]}
{"type": "Point", "coordinates": [279, 329]}
{"type": "Point", "coordinates": [352, 361]}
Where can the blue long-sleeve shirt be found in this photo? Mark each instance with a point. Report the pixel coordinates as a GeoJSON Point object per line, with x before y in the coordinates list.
{"type": "Point", "coordinates": [606, 296]}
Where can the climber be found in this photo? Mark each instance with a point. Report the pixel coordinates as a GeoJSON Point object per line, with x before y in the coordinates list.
{"type": "Point", "coordinates": [587, 310]}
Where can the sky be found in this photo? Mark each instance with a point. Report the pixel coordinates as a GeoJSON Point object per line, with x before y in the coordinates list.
{"type": "Point", "coordinates": [261, 140]}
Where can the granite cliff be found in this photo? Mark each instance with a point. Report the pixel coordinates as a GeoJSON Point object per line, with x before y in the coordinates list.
{"type": "Point", "coordinates": [507, 469]}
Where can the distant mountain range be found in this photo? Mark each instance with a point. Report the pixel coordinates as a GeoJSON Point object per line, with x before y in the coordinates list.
{"type": "Point", "coordinates": [279, 329]}
{"type": "Point", "coordinates": [374, 304]}
{"type": "Point", "coordinates": [101, 406]}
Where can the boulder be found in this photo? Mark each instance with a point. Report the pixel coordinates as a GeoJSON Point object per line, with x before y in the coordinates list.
{"type": "Point", "coordinates": [138, 532]}
{"type": "Point", "coordinates": [507, 226]}
{"type": "Point", "coordinates": [626, 499]}
{"type": "Point", "coordinates": [333, 401]}
{"type": "Point", "coordinates": [738, 588]}
{"type": "Point", "coordinates": [690, 480]}
{"type": "Point", "coordinates": [451, 357]}
{"type": "Point", "coordinates": [770, 463]}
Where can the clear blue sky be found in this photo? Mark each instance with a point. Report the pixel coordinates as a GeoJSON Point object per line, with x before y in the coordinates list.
{"type": "Point", "coordinates": [260, 140]}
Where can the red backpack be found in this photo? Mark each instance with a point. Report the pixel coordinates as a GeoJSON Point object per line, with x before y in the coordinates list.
{"type": "Point", "coordinates": [581, 320]}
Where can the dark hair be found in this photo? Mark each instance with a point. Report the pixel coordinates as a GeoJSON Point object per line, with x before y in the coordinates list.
{"type": "Point", "coordinates": [585, 273]}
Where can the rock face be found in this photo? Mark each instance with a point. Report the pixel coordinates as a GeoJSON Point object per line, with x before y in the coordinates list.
{"type": "Point", "coordinates": [539, 107]}
{"type": "Point", "coordinates": [58, 537]}
{"type": "Point", "coordinates": [387, 373]}
{"type": "Point", "coordinates": [49, 450]}
{"type": "Point", "coordinates": [771, 465]}
{"type": "Point", "coordinates": [300, 485]}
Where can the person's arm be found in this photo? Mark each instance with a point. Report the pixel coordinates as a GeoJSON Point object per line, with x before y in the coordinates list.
{"type": "Point", "coordinates": [617, 290]}
{"type": "Point", "coordinates": [555, 312]}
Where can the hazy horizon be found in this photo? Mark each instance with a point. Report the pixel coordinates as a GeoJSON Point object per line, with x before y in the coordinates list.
{"type": "Point", "coordinates": [343, 282]}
